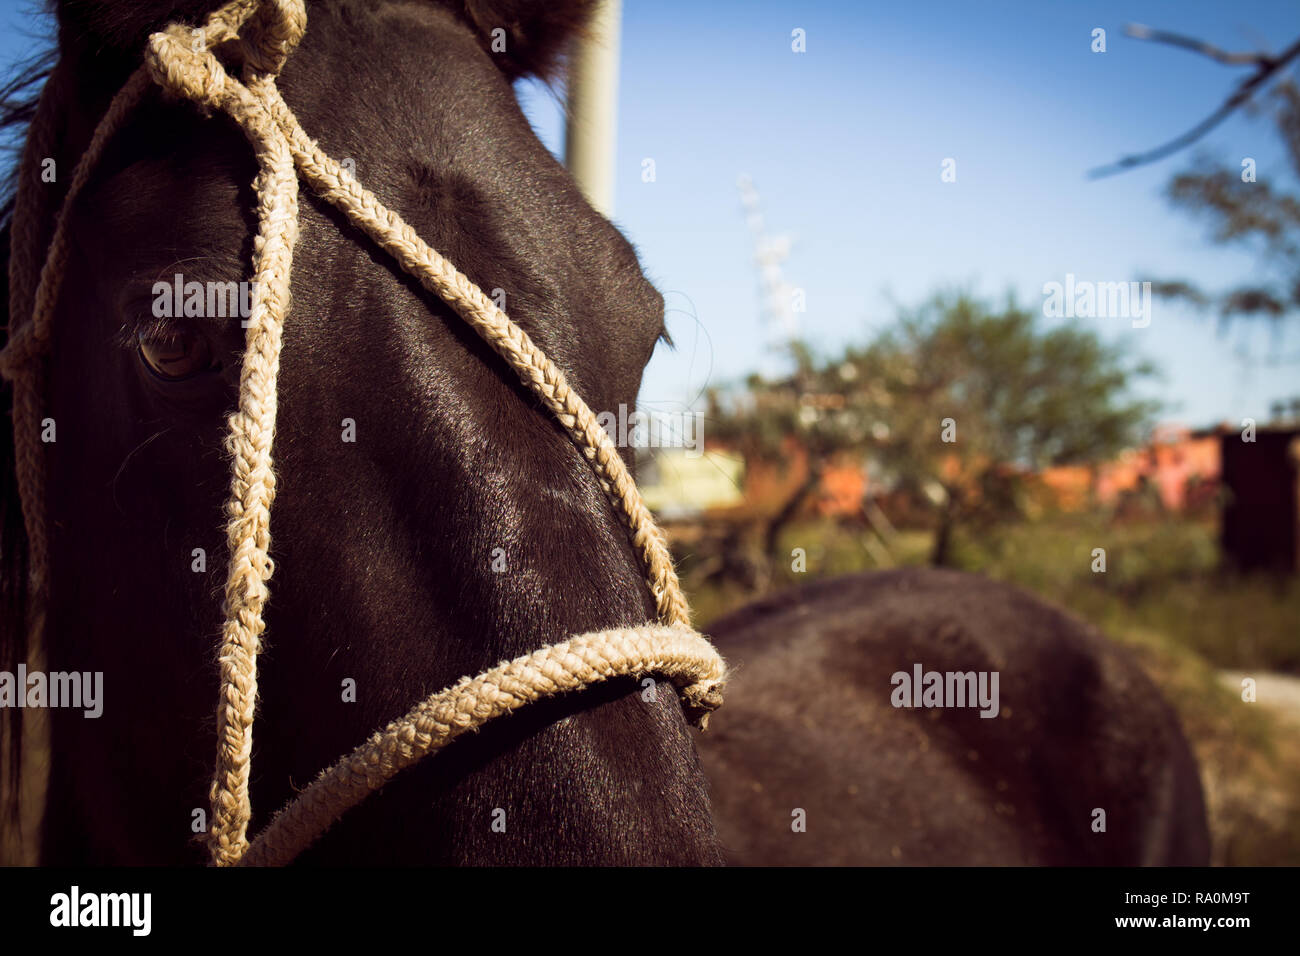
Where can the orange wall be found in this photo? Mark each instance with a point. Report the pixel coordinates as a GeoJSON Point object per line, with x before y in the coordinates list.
{"type": "Point", "coordinates": [768, 487]}
{"type": "Point", "coordinates": [1169, 464]}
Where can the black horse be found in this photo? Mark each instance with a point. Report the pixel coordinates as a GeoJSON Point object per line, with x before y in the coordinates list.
{"type": "Point", "coordinates": [431, 519]}
{"type": "Point", "coordinates": [820, 758]}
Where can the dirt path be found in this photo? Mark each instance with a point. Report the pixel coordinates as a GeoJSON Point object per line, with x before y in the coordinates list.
{"type": "Point", "coordinates": [1278, 692]}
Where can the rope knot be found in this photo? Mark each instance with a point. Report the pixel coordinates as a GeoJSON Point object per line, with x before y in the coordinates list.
{"type": "Point", "coordinates": [184, 65]}
{"type": "Point", "coordinates": [181, 59]}
{"type": "Point", "coordinates": [272, 33]}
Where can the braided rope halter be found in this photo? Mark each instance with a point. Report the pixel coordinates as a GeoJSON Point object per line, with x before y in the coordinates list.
{"type": "Point", "coordinates": [262, 34]}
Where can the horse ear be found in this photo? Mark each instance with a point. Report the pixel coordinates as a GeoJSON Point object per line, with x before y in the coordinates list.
{"type": "Point", "coordinates": [526, 37]}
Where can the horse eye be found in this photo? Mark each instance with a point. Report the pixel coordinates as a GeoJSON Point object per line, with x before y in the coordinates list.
{"type": "Point", "coordinates": [177, 355]}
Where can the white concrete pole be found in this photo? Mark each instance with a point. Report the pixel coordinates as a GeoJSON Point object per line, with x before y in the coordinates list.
{"type": "Point", "coordinates": [589, 141]}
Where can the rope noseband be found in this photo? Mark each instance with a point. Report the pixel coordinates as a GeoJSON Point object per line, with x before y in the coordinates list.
{"type": "Point", "coordinates": [262, 34]}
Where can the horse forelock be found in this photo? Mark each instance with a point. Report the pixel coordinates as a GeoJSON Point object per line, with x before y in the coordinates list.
{"type": "Point", "coordinates": [528, 37]}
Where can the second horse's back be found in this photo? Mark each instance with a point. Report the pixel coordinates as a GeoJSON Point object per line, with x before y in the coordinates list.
{"type": "Point", "coordinates": [921, 716]}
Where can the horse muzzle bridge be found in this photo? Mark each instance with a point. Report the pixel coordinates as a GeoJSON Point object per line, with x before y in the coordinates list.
{"type": "Point", "coordinates": [260, 35]}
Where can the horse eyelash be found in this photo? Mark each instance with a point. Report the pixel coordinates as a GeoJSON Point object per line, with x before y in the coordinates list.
{"type": "Point", "coordinates": [151, 327]}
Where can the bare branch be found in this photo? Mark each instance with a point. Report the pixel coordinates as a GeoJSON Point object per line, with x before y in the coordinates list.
{"type": "Point", "coordinates": [1267, 67]}
{"type": "Point", "coordinates": [1141, 32]}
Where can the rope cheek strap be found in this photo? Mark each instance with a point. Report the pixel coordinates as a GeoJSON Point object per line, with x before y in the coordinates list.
{"type": "Point", "coordinates": [182, 61]}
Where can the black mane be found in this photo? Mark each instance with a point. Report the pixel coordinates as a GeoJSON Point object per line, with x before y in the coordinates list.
{"type": "Point", "coordinates": [18, 99]}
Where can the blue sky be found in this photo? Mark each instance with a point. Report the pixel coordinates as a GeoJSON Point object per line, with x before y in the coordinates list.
{"type": "Point", "coordinates": [845, 142]}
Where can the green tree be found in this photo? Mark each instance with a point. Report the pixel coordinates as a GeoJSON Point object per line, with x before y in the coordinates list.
{"type": "Point", "coordinates": [954, 405]}
{"type": "Point", "coordinates": [1244, 204]}
{"type": "Point", "coordinates": [1252, 208]}
{"type": "Point", "coordinates": [774, 418]}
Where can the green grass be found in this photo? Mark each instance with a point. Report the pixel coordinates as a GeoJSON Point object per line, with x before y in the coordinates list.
{"type": "Point", "coordinates": [1159, 577]}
